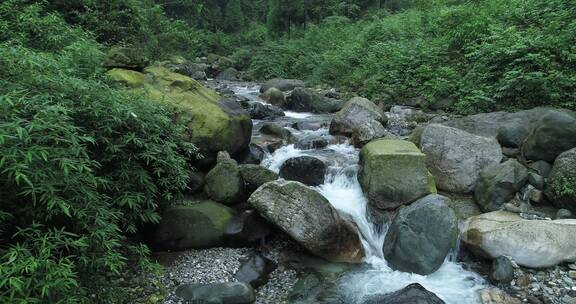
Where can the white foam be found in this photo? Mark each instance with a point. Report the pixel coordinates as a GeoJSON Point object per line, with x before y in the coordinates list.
{"type": "Point", "coordinates": [298, 115]}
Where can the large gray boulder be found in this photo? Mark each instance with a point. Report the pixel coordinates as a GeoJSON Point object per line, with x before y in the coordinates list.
{"type": "Point", "coordinates": [561, 187]}
{"type": "Point", "coordinates": [498, 183]}
{"type": "Point", "coordinates": [281, 84]}
{"type": "Point", "coordinates": [552, 134]}
{"type": "Point", "coordinates": [511, 129]}
{"type": "Point", "coordinates": [275, 97]}
{"type": "Point", "coordinates": [530, 243]}
{"type": "Point", "coordinates": [393, 173]}
{"type": "Point", "coordinates": [456, 157]}
{"type": "Point", "coordinates": [224, 183]}
{"type": "Point", "coordinates": [421, 235]}
{"type": "Point", "coordinates": [411, 294]}
{"type": "Point", "coordinates": [199, 225]}
{"type": "Point", "coordinates": [308, 218]}
{"type": "Point", "coordinates": [360, 118]}
{"type": "Point", "coordinates": [305, 100]}
{"type": "Point", "coordinates": [217, 293]}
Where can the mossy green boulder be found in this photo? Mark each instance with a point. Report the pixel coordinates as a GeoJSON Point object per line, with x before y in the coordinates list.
{"type": "Point", "coordinates": [224, 183]}
{"type": "Point", "coordinates": [255, 176]}
{"type": "Point", "coordinates": [393, 173]}
{"type": "Point", "coordinates": [213, 125]}
{"type": "Point", "coordinates": [199, 225]}
{"type": "Point", "coordinates": [125, 58]}
{"type": "Point", "coordinates": [561, 188]}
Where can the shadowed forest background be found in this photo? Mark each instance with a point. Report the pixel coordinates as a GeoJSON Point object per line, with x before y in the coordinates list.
{"type": "Point", "coordinates": [80, 174]}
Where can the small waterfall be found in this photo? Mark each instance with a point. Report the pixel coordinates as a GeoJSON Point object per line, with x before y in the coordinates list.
{"type": "Point", "coordinates": [451, 282]}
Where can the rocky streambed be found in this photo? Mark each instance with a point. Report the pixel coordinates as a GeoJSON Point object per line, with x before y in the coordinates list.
{"type": "Point", "coordinates": [343, 202]}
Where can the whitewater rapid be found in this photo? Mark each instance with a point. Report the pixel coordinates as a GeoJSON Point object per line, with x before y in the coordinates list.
{"type": "Point", "coordinates": [452, 283]}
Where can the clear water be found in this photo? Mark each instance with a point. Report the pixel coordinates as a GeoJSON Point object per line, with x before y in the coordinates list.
{"type": "Point", "coordinates": [451, 282]}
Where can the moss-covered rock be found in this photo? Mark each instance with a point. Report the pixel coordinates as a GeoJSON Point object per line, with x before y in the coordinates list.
{"type": "Point", "coordinates": [224, 183]}
{"type": "Point", "coordinates": [200, 225]}
{"type": "Point", "coordinates": [125, 58]}
{"type": "Point", "coordinates": [255, 176]}
{"type": "Point", "coordinates": [561, 188]}
{"type": "Point", "coordinates": [394, 173]}
{"type": "Point", "coordinates": [213, 125]}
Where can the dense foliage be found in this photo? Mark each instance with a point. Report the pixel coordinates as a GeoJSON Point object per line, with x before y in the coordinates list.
{"type": "Point", "coordinates": [81, 164]}
{"type": "Point", "coordinates": [485, 55]}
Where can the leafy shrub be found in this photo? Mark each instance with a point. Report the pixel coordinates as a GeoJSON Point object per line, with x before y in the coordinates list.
{"type": "Point", "coordinates": [82, 165]}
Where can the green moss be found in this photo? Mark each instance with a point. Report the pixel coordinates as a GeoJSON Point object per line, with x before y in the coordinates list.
{"type": "Point", "coordinates": [128, 78]}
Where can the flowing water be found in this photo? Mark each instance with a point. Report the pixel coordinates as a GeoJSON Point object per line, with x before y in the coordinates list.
{"type": "Point", "coordinates": [451, 282]}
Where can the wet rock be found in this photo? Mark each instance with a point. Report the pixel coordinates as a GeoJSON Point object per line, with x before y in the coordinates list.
{"type": "Point", "coordinates": [255, 176]}
{"type": "Point", "coordinates": [561, 188]}
{"type": "Point", "coordinates": [245, 229]}
{"type": "Point", "coordinates": [275, 130]}
{"type": "Point", "coordinates": [281, 84]}
{"type": "Point", "coordinates": [496, 296]}
{"type": "Point", "coordinates": [541, 167]}
{"type": "Point", "coordinates": [224, 183]}
{"type": "Point", "coordinates": [305, 169]}
{"type": "Point", "coordinates": [393, 173]}
{"type": "Point", "coordinates": [421, 235]}
{"type": "Point", "coordinates": [275, 97]}
{"type": "Point", "coordinates": [305, 125]}
{"type": "Point", "coordinates": [217, 293]}
{"type": "Point", "coordinates": [456, 157]}
{"type": "Point", "coordinates": [264, 112]}
{"type": "Point", "coordinates": [254, 154]}
{"type": "Point", "coordinates": [498, 183]}
{"type": "Point", "coordinates": [305, 100]}
{"type": "Point", "coordinates": [308, 218]}
{"type": "Point", "coordinates": [502, 271]}
{"type": "Point", "coordinates": [564, 214]}
{"type": "Point", "coordinates": [311, 142]}
{"type": "Point", "coordinates": [411, 294]}
{"type": "Point", "coordinates": [359, 117]}
{"type": "Point", "coordinates": [530, 243]}
{"type": "Point", "coordinates": [552, 134]}
{"type": "Point", "coordinates": [200, 225]}
{"type": "Point", "coordinates": [229, 74]}
{"type": "Point", "coordinates": [255, 269]}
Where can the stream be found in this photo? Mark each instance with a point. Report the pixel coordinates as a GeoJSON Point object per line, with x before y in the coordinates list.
{"type": "Point", "coordinates": [452, 282]}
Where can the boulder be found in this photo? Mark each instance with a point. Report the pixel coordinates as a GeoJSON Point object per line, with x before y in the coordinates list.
{"type": "Point", "coordinates": [464, 206]}
{"type": "Point", "coordinates": [308, 218]}
{"type": "Point", "coordinates": [497, 184]}
{"type": "Point", "coordinates": [255, 176]}
{"type": "Point", "coordinates": [254, 270]}
{"type": "Point", "coordinates": [229, 74]}
{"type": "Point", "coordinates": [305, 100]}
{"type": "Point", "coordinates": [421, 235]}
{"type": "Point", "coordinates": [213, 125]}
{"type": "Point", "coordinates": [411, 294]}
{"type": "Point", "coordinates": [393, 173]}
{"type": "Point", "coordinates": [305, 169]}
{"type": "Point", "coordinates": [193, 70]}
{"type": "Point", "coordinates": [199, 225]}
{"type": "Point", "coordinates": [128, 78]}
{"type": "Point", "coordinates": [274, 97]}
{"type": "Point", "coordinates": [254, 154]}
{"type": "Point", "coordinates": [283, 85]}
{"type": "Point", "coordinates": [511, 129]}
{"type": "Point", "coordinates": [502, 271]}
{"type": "Point", "coordinates": [246, 229]}
{"type": "Point", "coordinates": [125, 58]}
{"type": "Point", "coordinates": [552, 134]}
{"type": "Point", "coordinates": [217, 293]}
{"type": "Point", "coordinates": [456, 157]}
{"type": "Point", "coordinates": [312, 142]}
{"type": "Point", "coordinates": [530, 243]}
{"type": "Point", "coordinates": [561, 187]}
{"type": "Point", "coordinates": [224, 183]}
{"type": "Point", "coordinates": [275, 130]}
{"type": "Point", "coordinates": [261, 111]}
{"type": "Point", "coordinates": [497, 296]}
{"type": "Point", "coordinates": [541, 167]}
{"type": "Point", "coordinates": [359, 117]}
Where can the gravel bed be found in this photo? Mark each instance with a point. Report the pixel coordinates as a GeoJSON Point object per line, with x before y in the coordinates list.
{"type": "Point", "coordinates": [219, 265]}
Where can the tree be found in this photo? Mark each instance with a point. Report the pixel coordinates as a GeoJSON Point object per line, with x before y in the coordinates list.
{"type": "Point", "coordinates": [233, 16]}
{"type": "Point", "coordinates": [282, 14]}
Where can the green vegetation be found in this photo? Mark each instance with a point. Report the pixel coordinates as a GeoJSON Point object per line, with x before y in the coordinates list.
{"type": "Point", "coordinates": [83, 163]}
